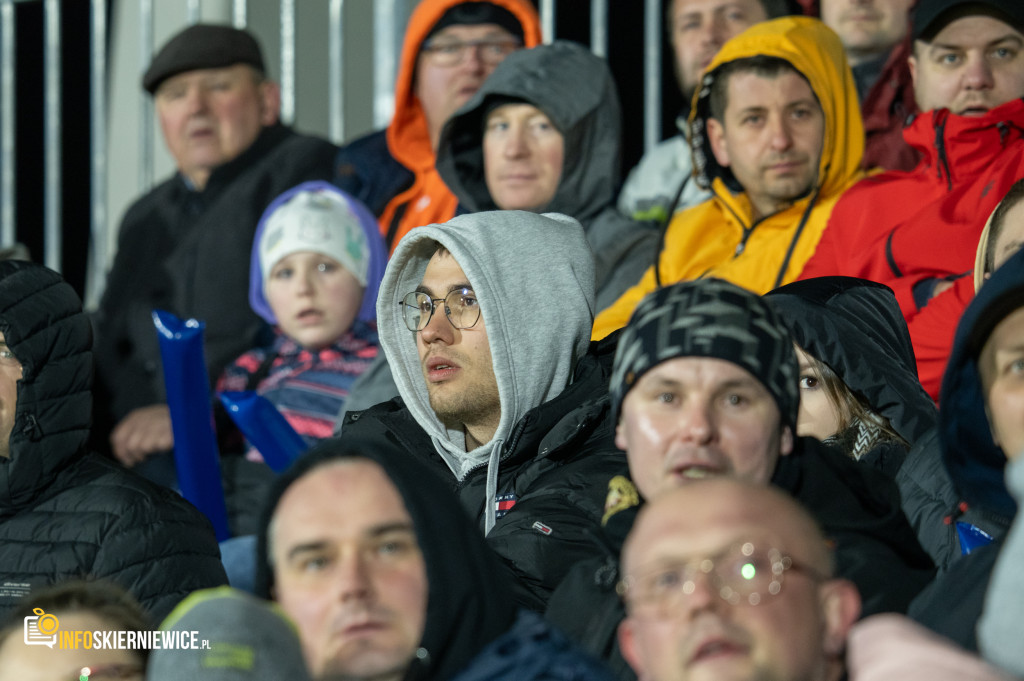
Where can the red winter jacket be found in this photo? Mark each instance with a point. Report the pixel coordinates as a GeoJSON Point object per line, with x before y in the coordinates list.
{"type": "Point", "coordinates": [900, 228]}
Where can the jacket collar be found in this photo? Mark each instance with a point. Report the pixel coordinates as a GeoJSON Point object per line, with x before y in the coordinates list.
{"type": "Point", "coordinates": [223, 175]}
{"type": "Point", "coordinates": [961, 147]}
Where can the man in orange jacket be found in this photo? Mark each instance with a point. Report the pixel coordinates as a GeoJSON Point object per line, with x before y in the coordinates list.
{"type": "Point", "coordinates": [450, 48]}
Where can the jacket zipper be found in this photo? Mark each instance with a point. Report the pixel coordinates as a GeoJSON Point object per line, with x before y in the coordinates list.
{"type": "Point", "coordinates": [940, 149]}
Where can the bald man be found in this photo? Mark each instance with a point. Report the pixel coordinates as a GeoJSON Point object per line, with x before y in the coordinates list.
{"type": "Point", "coordinates": [730, 580]}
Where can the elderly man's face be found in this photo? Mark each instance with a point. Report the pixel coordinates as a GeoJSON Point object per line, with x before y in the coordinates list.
{"type": "Point", "coordinates": [210, 116]}
{"type": "Point", "coordinates": [681, 627]}
{"type": "Point", "coordinates": [971, 66]}
{"type": "Point", "coordinates": [1001, 365]}
{"type": "Point", "coordinates": [691, 418]}
{"type": "Point", "coordinates": [10, 374]}
{"type": "Point", "coordinates": [348, 570]}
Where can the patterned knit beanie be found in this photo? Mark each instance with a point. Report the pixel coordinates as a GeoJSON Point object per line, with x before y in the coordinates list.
{"type": "Point", "coordinates": [709, 318]}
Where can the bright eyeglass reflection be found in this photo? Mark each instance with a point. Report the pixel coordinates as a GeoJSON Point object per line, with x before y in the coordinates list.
{"type": "Point", "coordinates": [742, 573]}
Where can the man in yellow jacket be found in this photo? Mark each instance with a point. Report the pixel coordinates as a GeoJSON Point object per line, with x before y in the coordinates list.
{"type": "Point", "coordinates": [777, 136]}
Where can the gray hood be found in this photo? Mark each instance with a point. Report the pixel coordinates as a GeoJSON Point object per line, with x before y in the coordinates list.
{"type": "Point", "coordinates": [533, 277]}
{"type": "Point", "coordinates": [575, 90]}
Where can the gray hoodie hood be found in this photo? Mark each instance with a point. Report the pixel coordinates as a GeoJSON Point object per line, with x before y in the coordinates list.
{"type": "Point", "coordinates": [533, 277]}
{"type": "Point", "coordinates": [576, 91]}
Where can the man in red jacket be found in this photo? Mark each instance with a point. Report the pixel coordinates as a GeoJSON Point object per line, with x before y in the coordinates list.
{"type": "Point", "coordinates": [918, 231]}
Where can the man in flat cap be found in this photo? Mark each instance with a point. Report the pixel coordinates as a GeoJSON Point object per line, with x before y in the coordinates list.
{"type": "Point", "coordinates": [185, 245]}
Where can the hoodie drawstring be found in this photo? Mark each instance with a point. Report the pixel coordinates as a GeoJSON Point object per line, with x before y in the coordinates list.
{"type": "Point", "coordinates": [490, 512]}
{"type": "Point", "coordinates": [663, 228]}
{"type": "Point", "coordinates": [796, 235]}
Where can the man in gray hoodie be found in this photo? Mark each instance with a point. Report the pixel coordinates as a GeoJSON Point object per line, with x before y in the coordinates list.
{"type": "Point", "coordinates": [485, 320]}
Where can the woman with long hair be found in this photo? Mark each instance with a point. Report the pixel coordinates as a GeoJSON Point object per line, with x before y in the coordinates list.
{"type": "Point", "coordinates": [859, 389]}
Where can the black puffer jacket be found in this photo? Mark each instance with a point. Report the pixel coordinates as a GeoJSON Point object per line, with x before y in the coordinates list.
{"type": "Point", "coordinates": [555, 467]}
{"type": "Point", "coordinates": [65, 513]}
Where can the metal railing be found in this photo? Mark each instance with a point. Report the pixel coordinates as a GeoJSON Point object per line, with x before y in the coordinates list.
{"type": "Point", "coordinates": [387, 31]}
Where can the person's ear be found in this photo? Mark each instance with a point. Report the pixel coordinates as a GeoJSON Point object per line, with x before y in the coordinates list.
{"type": "Point", "coordinates": [786, 441]}
{"type": "Point", "coordinates": [270, 102]}
{"type": "Point", "coordinates": [912, 65]}
{"type": "Point", "coordinates": [840, 608]}
{"type": "Point", "coordinates": [629, 646]}
{"type": "Point", "coordinates": [719, 145]}
{"type": "Point", "coordinates": [620, 435]}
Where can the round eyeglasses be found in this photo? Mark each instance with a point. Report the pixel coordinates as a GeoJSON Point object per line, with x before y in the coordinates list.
{"type": "Point", "coordinates": [460, 306]}
{"type": "Point", "coordinates": [491, 52]}
{"type": "Point", "coordinates": [743, 573]}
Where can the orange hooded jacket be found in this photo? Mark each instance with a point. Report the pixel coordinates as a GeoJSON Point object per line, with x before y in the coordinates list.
{"type": "Point", "coordinates": [428, 200]}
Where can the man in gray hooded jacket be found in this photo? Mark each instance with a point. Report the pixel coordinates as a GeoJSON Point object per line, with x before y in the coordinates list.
{"type": "Point", "coordinates": [544, 134]}
{"type": "Point", "coordinates": [485, 320]}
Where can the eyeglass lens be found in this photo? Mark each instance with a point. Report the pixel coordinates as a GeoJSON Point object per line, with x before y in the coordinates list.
{"type": "Point", "coordinates": [744, 572]}
{"type": "Point", "coordinates": [460, 306]}
{"type": "Point", "coordinates": [491, 51]}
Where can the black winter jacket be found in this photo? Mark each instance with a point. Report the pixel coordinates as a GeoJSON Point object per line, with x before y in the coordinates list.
{"type": "Point", "coordinates": [472, 630]}
{"type": "Point", "coordinates": [66, 513]}
{"type": "Point", "coordinates": [958, 478]}
{"type": "Point", "coordinates": [552, 479]}
{"type": "Point", "coordinates": [858, 509]}
{"type": "Point", "coordinates": [188, 252]}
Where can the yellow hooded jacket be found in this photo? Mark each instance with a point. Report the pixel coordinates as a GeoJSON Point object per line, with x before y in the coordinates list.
{"type": "Point", "coordinates": [719, 238]}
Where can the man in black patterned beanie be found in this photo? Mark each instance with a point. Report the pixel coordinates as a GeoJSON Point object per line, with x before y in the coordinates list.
{"type": "Point", "coordinates": [706, 384]}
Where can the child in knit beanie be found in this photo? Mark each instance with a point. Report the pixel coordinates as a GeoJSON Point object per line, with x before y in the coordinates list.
{"type": "Point", "coordinates": [317, 261]}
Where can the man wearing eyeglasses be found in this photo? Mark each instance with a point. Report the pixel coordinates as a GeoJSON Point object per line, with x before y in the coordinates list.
{"type": "Point", "coordinates": [727, 580]}
{"type": "Point", "coordinates": [450, 48]}
{"type": "Point", "coordinates": [731, 580]}
{"type": "Point", "coordinates": [485, 322]}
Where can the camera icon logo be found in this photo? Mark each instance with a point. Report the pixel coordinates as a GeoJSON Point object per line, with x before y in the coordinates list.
{"type": "Point", "coordinates": [41, 629]}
